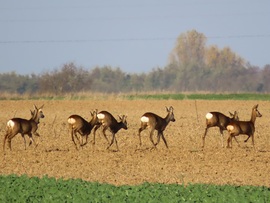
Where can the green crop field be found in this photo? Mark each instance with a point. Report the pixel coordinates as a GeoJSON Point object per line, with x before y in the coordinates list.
{"type": "Point", "coordinates": [23, 189]}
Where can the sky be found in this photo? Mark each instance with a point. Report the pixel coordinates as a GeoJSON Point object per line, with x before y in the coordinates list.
{"type": "Point", "coordinates": [137, 36]}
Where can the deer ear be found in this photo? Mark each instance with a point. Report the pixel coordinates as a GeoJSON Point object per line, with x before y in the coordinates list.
{"type": "Point", "coordinates": [41, 106]}
{"type": "Point", "coordinates": [256, 106]}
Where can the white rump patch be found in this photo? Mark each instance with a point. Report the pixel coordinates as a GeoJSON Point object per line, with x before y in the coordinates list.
{"type": "Point", "coordinates": [144, 119]}
{"type": "Point", "coordinates": [209, 116]}
{"type": "Point", "coordinates": [71, 121]}
{"type": "Point", "coordinates": [10, 124]}
{"type": "Point", "coordinates": [100, 116]}
{"type": "Point", "coordinates": [230, 127]}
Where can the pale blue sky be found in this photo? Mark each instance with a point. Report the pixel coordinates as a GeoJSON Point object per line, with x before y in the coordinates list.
{"type": "Point", "coordinates": [137, 36]}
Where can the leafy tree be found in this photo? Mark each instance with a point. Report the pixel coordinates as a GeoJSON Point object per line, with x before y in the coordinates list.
{"type": "Point", "coordinates": [189, 48]}
{"type": "Point", "coordinates": [68, 79]}
{"type": "Point", "coordinates": [14, 83]}
{"type": "Point", "coordinates": [107, 79]}
{"type": "Point", "coordinates": [264, 84]}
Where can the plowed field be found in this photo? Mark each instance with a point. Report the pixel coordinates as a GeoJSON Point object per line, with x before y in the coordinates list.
{"type": "Point", "coordinates": [184, 161]}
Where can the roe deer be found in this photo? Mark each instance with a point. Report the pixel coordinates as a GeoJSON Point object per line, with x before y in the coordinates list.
{"type": "Point", "coordinates": [236, 128]}
{"type": "Point", "coordinates": [155, 122]}
{"type": "Point", "coordinates": [110, 123]}
{"type": "Point", "coordinates": [217, 119]}
{"type": "Point", "coordinates": [24, 126]}
{"type": "Point", "coordinates": [83, 127]}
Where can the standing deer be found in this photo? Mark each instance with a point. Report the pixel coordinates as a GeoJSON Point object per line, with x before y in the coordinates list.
{"type": "Point", "coordinates": [110, 123]}
{"type": "Point", "coordinates": [236, 128]}
{"type": "Point", "coordinates": [155, 122]}
{"type": "Point", "coordinates": [24, 126]}
{"type": "Point", "coordinates": [83, 127]}
{"type": "Point", "coordinates": [217, 119]}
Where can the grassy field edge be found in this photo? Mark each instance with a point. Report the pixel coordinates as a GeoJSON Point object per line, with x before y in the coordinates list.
{"type": "Point", "coordinates": [142, 96]}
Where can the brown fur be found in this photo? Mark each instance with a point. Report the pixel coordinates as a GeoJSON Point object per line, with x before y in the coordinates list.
{"type": "Point", "coordinates": [219, 120]}
{"type": "Point", "coordinates": [83, 127]}
{"type": "Point", "coordinates": [236, 128]}
{"type": "Point", "coordinates": [155, 122]}
{"type": "Point", "coordinates": [23, 126]}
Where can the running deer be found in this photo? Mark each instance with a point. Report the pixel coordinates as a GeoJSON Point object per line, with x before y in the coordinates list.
{"type": "Point", "coordinates": [236, 128]}
{"type": "Point", "coordinates": [83, 127]}
{"type": "Point", "coordinates": [108, 122]}
{"type": "Point", "coordinates": [217, 119]}
{"type": "Point", "coordinates": [24, 126]}
{"type": "Point", "coordinates": [155, 122]}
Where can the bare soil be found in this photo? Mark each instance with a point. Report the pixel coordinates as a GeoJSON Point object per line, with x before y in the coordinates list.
{"type": "Point", "coordinates": [184, 162]}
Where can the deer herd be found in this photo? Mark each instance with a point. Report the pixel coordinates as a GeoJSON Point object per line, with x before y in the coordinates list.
{"type": "Point", "coordinates": [81, 128]}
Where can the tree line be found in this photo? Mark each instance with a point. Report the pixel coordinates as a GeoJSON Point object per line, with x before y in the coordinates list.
{"type": "Point", "coordinates": [192, 67]}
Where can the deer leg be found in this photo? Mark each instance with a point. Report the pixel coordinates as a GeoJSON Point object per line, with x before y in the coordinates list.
{"type": "Point", "coordinates": [139, 134]}
{"type": "Point", "coordinates": [25, 141]}
{"type": "Point", "coordinates": [75, 133]}
{"type": "Point", "coordinates": [113, 138]}
{"type": "Point", "coordinates": [86, 139]}
{"type": "Point", "coordinates": [203, 137]}
{"type": "Point", "coordinates": [143, 127]}
{"type": "Point", "coordinates": [10, 136]}
{"type": "Point", "coordinates": [29, 142]}
{"type": "Point", "coordinates": [104, 134]}
{"type": "Point", "coordinates": [32, 139]}
{"type": "Point", "coordinates": [252, 137]}
{"type": "Point", "coordinates": [36, 134]}
{"type": "Point", "coordinates": [9, 143]}
{"type": "Point", "coordinates": [164, 140]}
{"type": "Point", "coordinates": [81, 140]}
{"type": "Point", "coordinates": [247, 138]}
{"type": "Point", "coordinates": [228, 141]}
{"type": "Point", "coordinates": [221, 135]}
{"type": "Point", "coordinates": [236, 141]}
{"type": "Point", "coordinates": [4, 143]}
{"type": "Point", "coordinates": [72, 137]}
{"type": "Point", "coordinates": [151, 137]}
{"type": "Point", "coordinates": [158, 138]}
{"type": "Point", "coordinates": [116, 143]}
{"type": "Point", "coordinates": [94, 134]}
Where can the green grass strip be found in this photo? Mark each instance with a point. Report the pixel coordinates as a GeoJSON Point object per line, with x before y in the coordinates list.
{"type": "Point", "coordinates": [15, 188]}
{"type": "Point", "coordinates": [242, 96]}
{"type": "Point", "coordinates": [146, 96]}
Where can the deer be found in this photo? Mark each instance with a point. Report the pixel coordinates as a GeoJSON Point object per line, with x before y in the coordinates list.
{"type": "Point", "coordinates": [155, 122]}
{"type": "Point", "coordinates": [108, 122]}
{"type": "Point", "coordinates": [24, 126]}
{"type": "Point", "coordinates": [236, 128]}
{"type": "Point", "coordinates": [217, 119]}
{"type": "Point", "coordinates": [83, 127]}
